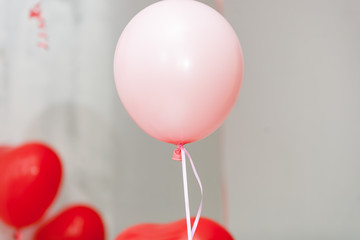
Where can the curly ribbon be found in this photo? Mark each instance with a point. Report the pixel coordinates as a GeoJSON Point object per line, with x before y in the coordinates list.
{"type": "Point", "coordinates": [36, 13]}
{"type": "Point", "coordinates": [190, 229]}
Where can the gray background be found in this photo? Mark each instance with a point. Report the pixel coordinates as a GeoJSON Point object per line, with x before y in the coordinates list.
{"type": "Point", "coordinates": [288, 155]}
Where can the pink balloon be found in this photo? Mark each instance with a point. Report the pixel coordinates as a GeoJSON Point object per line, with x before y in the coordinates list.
{"type": "Point", "coordinates": [178, 69]}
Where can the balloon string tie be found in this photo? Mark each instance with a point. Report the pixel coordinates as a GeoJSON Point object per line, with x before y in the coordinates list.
{"type": "Point", "coordinates": [190, 229]}
{"type": "Point", "coordinates": [17, 235]}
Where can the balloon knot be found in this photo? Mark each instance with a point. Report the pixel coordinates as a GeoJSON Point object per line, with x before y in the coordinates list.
{"type": "Point", "coordinates": [17, 235]}
{"type": "Point", "coordinates": [177, 153]}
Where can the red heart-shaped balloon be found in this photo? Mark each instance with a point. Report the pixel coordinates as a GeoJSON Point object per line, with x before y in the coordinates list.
{"type": "Point", "coordinates": [74, 223]}
{"type": "Point", "coordinates": [206, 230]}
{"type": "Point", "coordinates": [4, 149]}
{"type": "Point", "coordinates": [30, 176]}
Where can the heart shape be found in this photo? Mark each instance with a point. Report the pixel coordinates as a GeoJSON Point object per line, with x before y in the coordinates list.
{"type": "Point", "coordinates": [74, 223]}
{"type": "Point", "coordinates": [30, 177]}
{"type": "Point", "coordinates": [206, 230]}
{"type": "Point", "coordinates": [4, 149]}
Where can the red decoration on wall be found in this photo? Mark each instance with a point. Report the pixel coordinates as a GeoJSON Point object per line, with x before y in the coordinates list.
{"type": "Point", "coordinates": [36, 13]}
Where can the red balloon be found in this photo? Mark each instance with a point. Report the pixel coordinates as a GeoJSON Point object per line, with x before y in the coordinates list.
{"type": "Point", "coordinates": [30, 177]}
{"type": "Point", "coordinates": [4, 149]}
{"type": "Point", "coordinates": [206, 230]}
{"type": "Point", "coordinates": [74, 223]}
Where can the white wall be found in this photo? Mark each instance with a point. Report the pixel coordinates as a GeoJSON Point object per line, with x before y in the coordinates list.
{"type": "Point", "coordinates": [292, 144]}
{"type": "Point", "coordinates": [66, 97]}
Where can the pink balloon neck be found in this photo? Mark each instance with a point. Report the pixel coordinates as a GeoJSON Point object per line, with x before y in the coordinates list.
{"type": "Point", "coordinates": [17, 235]}
{"type": "Point", "coordinates": [177, 153]}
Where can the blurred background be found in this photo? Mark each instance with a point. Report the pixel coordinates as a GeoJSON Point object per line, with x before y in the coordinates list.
{"type": "Point", "coordinates": [285, 165]}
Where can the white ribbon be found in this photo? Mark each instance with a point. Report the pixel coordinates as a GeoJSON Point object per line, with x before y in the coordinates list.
{"type": "Point", "coordinates": [190, 229]}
